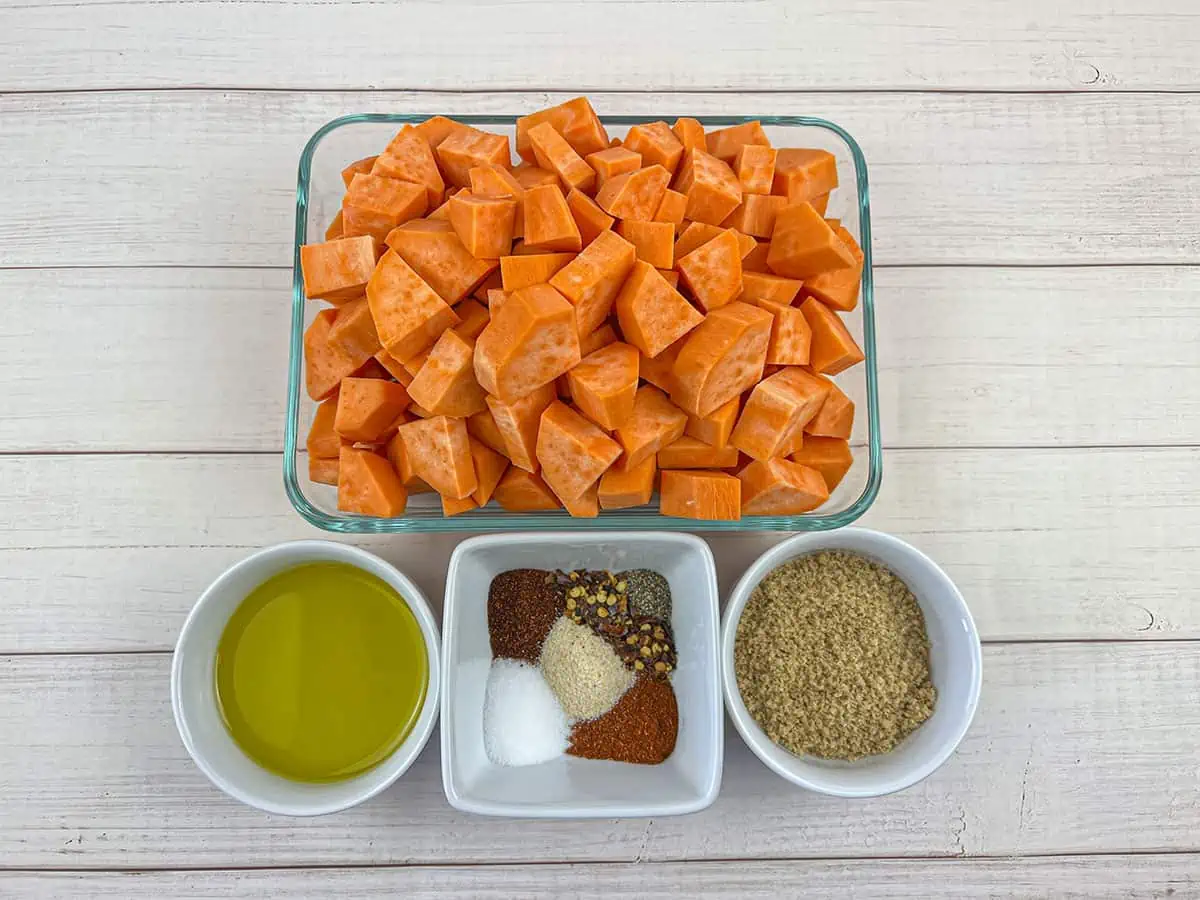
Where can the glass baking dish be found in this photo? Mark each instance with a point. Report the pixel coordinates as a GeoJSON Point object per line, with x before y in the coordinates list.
{"type": "Point", "coordinates": [319, 198]}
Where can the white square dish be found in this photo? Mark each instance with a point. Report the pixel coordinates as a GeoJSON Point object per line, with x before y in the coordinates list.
{"type": "Point", "coordinates": [569, 787]}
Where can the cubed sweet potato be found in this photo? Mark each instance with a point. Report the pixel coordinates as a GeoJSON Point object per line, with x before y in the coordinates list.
{"type": "Point", "coordinates": [653, 315]}
{"type": "Point", "coordinates": [803, 245]}
{"type": "Point", "coordinates": [591, 280]}
{"type": "Point", "coordinates": [549, 225]}
{"type": "Point", "coordinates": [623, 488]}
{"type": "Point", "coordinates": [586, 505]}
{"type": "Point", "coordinates": [354, 332]}
{"type": "Point", "coordinates": [363, 165]}
{"type": "Point", "coordinates": [375, 205]}
{"type": "Point", "coordinates": [590, 219]}
{"type": "Point", "coordinates": [483, 224]}
{"type": "Point", "coordinates": [756, 259]}
{"type": "Point", "coordinates": [690, 453]}
{"type": "Point", "coordinates": [833, 347]}
{"type": "Point", "coordinates": [601, 337]}
{"type": "Point", "coordinates": [522, 271]}
{"type": "Point", "coordinates": [654, 242]}
{"type": "Point", "coordinates": [604, 383]}
{"type": "Point", "coordinates": [835, 418]}
{"type": "Point", "coordinates": [437, 129]}
{"type": "Point", "coordinates": [659, 370]}
{"type": "Point", "coordinates": [754, 166]}
{"type": "Point", "coordinates": [656, 143]}
{"type": "Point", "coordinates": [552, 151]}
{"type": "Point", "coordinates": [575, 120]}
{"type": "Point", "coordinates": [465, 148]}
{"type": "Point", "coordinates": [694, 235]}
{"type": "Point", "coordinates": [529, 342]}
{"type": "Point", "coordinates": [335, 230]}
{"type": "Point", "coordinates": [724, 143]}
{"type": "Point", "coordinates": [713, 271]}
{"type": "Point", "coordinates": [777, 410]}
{"type": "Point", "coordinates": [409, 157]}
{"type": "Point", "coordinates": [769, 291]}
{"type": "Point", "coordinates": [715, 428]}
{"type": "Point", "coordinates": [324, 364]}
{"type": "Point", "coordinates": [489, 469]}
{"type": "Point", "coordinates": [804, 175]}
{"type": "Point", "coordinates": [475, 318]}
{"type": "Point", "coordinates": [777, 487]}
{"type": "Point", "coordinates": [323, 470]}
{"type": "Point", "coordinates": [337, 270]}
{"type": "Point", "coordinates": [366, 407]}
{"type": "Point", "coordinates": [672, 208]}
{"type": "Point", "coordinates": [440, 258]}
{"type": "Point", "coordinates": [440, 455]}
{"type": "Point", "coordinates": [518, 424]}
{"type": "Point", "coordinates": [322, 439]}
{"type": "Point", "coordinates": [409, 315]}
{"type": "Point", "coordinates": [573, 453]}
{"type": "Point", "coordinates": [529, 176]}
{"type": "Point", "coordinates": [829, 456]}
{"type": "Point", "coordinates": [655, 423]}
{"type": "Point", "coordinates": [755, 215]}
{"type": "Point", "coordinates": [722, 357]}
{"type": "Point", "coordinates": [611, 162]}
{"type": "Point", "coordinates": [445, 384]}
{"type": "Point", "coordinates": [700, 494]}
{"type": "Point", "coordinates": [690, 134]}
{"type": "Point", "coordinates": [368, 485]}
{"type": "Point", "coordinates": [522, 491]}
{"type": "Point", "coordinates": [713, 191]}
{"type": "Point", "coordinates": [839, 289]}
{"type": "Point", "coordinates": [482, 427]}
{"type": "Point", "coordinates": [634, 195]}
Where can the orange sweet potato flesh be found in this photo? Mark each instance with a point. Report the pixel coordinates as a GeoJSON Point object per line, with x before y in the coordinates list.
{"type": "Point", "coordinates": [725, 142]}
{"type": "Point", "coordinates": [366, 407]}
{"type": "Point", "coordinates": [409, 157]}
{"type": "Point", "coordinates": [549, 225]}
{"type": "Point", "coordinates": [532, 176]}
{"type": "Point", "coordinates": [611, 162]}
{"type": "Point", "coordinates": [655, 423]}
{"type": "Point", "coordinates": [604, 384]}
{"type": "Point", "coordinates": [353, 331]}
{"type": "Point", "coordinates": [660, 370]}
{"type": "Point", "coordinates": [839, 289]}
{"type": "Point", "coordinates": [439, 452]}
{"type": "Point", "coordinates": [552, 152]}
{"type": "Point", "coordinates": [575, 120]}
{"type": "Point", "coordinates": [468, 147]}
{"type": "Point", "coordinates": [700, 494]}
{"type": "Point", "coordinates": [475, 318]}
{"type": "Point", "coordinates": [409, 315]}
{"type": "Point", "coordinates": [836, 416]}
{"type": "Point", "coordinates": [522, 491]}
{"type": "Point", "coordinates": [363, 165]}
{"type": "Point", "coordinates": [335, 231]}
{"type": "Point", "coordinates": [695, 235]}
{"type": "Point", "coordinates": [672, 208]}
{"type": "Point", "coordinates": [398, 456]}
{"type": "Point", "coordinates": [375, 205]}
{"type": "Point", "coordinates": [671, 276]}
{"type": "Point", "coordinates": [777, 487]}
{"type": "Point", "coordinates": [713, 271]}
{"type": "Point", "coordinates": [804, 175]}
{"type": "Point", "coordinates": [657, 145]}
{"type": "Point", "coordinates": [634, 195]}
{"type": "Point", "coordinates": [755, 215]}
{"type": "Point", "coordinates": [623, 488]}
{"type": "Point", "coordinates": [483, 224]}
{"type": "Point", "coordinates": [482, 427]}
{"type": "Point", "coordinates": [791, 338]}
{"type": "Point", "coordinates": [491, 180]}
{"type": "Point", "coordinates": [601, 337]}
{"type": "Point", "coordinates": [715, 428]}
{"type": "Point", "coordinates": [591, 280]}
{"type": "Point", "coordinates": [654, 242]}
{"type": "Point", "coordinates": [653, 315]}
{"type": "Point", "coordinates": [323, 441]}
{"type": "Point", "coordinates": [803, 244]}
{"type": "Point", "coordinates": [756, 259]}
{"type": "Point", "coordinates": [455, 507]}
{"type": "Point", "coordinates": [323, 470]}
{"type": "Point", "coordinates": [368, 485]}
{"type": "Point", "coordinates": [690, 453]}
{"type": "Point", "coordinates": [573, 453]}
{"type": "Point", "coordinates": [518, 423]}
{"type": "Point", "coordinates": [489, 468]}
{"type": "Point", "coordinates": [324, 364]}
{"type": "Point", "coordinates": [690, 134]}
{"type": "Point", "coordinates": [393, 367]}
{"type": "Point", "coordinates": [829, 456]}
{"type": "Point", "coordinates": [769, 291]}
{"type": "Point", "coordinates": [337, 270]}
{"type": "Point", "coordinates": [754, 166]}
{"type": "Point", "coordinates": [413, 364]}
{"type": "Point", "coordinates": [778, 408]}
{"type": "Point", "coordinates": [529, 342]}
{"type": "Point", "coordinates": [437, 129]}
{"type": "Point", "coordinates": [518, 272]}
{"type": "Point", "coordinates": [445, 384]}
{"type": "Point", "coordinates": [833, 348]}
{"type": "Point", "coordinates": [440, 258]}
{"type": "Point", "coordinates": [713, 191]}
{"type": "Point", "coordinates": [721, 357]}
{"type": "Point", "coordinates": [590, 219]}
{"type": "Point", "coordinates": [586, 505]}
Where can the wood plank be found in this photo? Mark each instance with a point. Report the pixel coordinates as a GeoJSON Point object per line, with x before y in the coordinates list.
{"type": "Point", "coordinates": [1092, 877]}
{"type": "Point", "coordinates": [955, 178]}
{"type": "Point", "coordinates": [922, 44]}
{"type": "Point", "coordinates": [1058, 762]}
{"type": "Point", "coordinates": [195, 359]}
{"type": "Point", "coordinates": [103, 553]}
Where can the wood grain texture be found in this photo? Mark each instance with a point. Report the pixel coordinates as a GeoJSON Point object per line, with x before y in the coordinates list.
{"type": "Point", "coordinates": [105, 552]}
{"type": "Point", "coordinates": [1058, 762]}
{"type": "Point", "coordinates": [208, 178]}
{"type": "Point", "coordinates": [1137, 877]}
{"type": "Point", "coordinates": [145, 359]}
{"type": "Point", "coordinates": [828, 44]}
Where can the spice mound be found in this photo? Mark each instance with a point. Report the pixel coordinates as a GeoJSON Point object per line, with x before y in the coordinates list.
{"type": "Point", "coordinates": [582, 669]}
{"type": "Point", "coordinates": [521, 607]}
{"type": "Point", "coordinates": [641, 728]}
{"type": "Point", "coordinates": [523, 722]}
{"type": "Point", "coordinates": [832, 657]}
{"type": "Point", "coordinates": [649, 593]}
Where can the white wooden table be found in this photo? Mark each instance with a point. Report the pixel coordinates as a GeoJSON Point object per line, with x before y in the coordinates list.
{"type": "Point", "coordinates": [1036, 201]}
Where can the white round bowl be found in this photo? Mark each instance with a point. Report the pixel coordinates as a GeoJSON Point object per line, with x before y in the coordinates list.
{"type": "Point", "coordinates": [194, 700]}
{"type": "Point", "coordinates": [955, 662]}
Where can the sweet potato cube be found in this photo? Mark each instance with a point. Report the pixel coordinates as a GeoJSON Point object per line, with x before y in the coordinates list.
{"type": "Point", "coordinates": [833, 348]}
{"type": "Point", "coordinates": [366, 407]}
{"type": "Point", "coordinates": [756, 214]}
{"type": "Point", "coordinates": [791, 338]}
{"type": "Point", "coordinates": [671, 209]}
{"type": "Point", "coordinates": [489, 468]}
{"type": "Point", "coordinates": [337, 270]}
{"type": "Point", "coordinates": [660, 370]}
{"type": "Point", "coordinates": [440, 258]}
{"type": "Point", "coordinates": [604, 383]}
{"type": "Point", "coordinates": [393, 367]}
{"type": "Point", "coordinates": [769, 291]}
{"type": "Point", "coordinates": [690, 453]}
{"type": "Point", "coordinates": [529, 176]}
{"type": "Point", "coordinates": [653, 315]}
{"type": "Point", "coordinates": [839, 288]}
{"type": "Point", "coordinates": [455, 507]}
{"type": "Point", "coordinates": [529, 342]}
{"type": "Point", "coordinates": [494, 281]}
{"type": "Point", "coordinates": [835, 418]}
{"type": "Point", "coordinates": [575, 120]}
{"type": "Point", "coordinates": [440, 455]}
{"type": "Point", "coordinates": [398, 456]}
{"type": "Point", "coordinates": [656, 143]}
{"type": "Point", "coordinates": [586, 505]}
{"type": "Point", "coordinates": [482, 427]}
{"type": "Point", "coordinates": [713, 271]}
{"type": "Point", "coordinates": [522, 491]}
{"type": "Point", "coordinates": [700, 494]}
{"type": "Point", "coordinates": [445, 384]}
{"type": "Point", "coordinates": [552, 152]}
{"type": "Point", "coordinates": [590, 219]}
{"type": "Point", "coordinates": [804, 175]}
{"type": "Point", "coordinates": [375, 205]}
{"type": "Point", "coordinates": [591, 280]}
{"type": "Point", "coordinates": [324, 364]}
{"type": "Point", "coordinates": [518, 423]}
{"type": "Point", "coordinates": [475, 318]}
{"type": "Point", "coordinates": [413, 364]}
{"type": "Point", "coordinates": [722, 357]}
{"type": "Point", "coordinates": [335, 229]}
{"type": "Point", "coordinates": [322, 439]}
{"type": "Point", "coordinates": [409, 157]}
{"type": "Point", "coordinates": [436, 129]}
{"type": "Point", "coordinates": [754, 166]}
{"type": "Point", "coordinates": [622, 488]}
{"type": "Point", "coordinates": [756, 260]}
{"type": "Point", "coordinates": [368, 485]}
{"type": "Point", "coordinates": [690, 134]}
{"type": "Point", "coordinates": [654, 242]}
{"type": "Point", "coordinates": [354, 332]}
{"type": "Point", "coordinates": [634, 195]}
{"type": "Point", "coordinates": [829, 456]}
{"type": "Point", "coordinates": [713, 191]}
{"type": "Point", "coordinates": [803, 245]}
{"type": "Point", "coordinates": [492, 180]}
{"type": "Point", "coordinates": [696, 234]}
{"type": "Point", "coordinates": [467, 147]}
{"type": "Point", "coordinates": [323, 470]}
{"type": "Point", "coordinates": [725, 142]}
{"type": "Point", "coordinates": [549, 225]}
{"type": "Point", "coordinates": [483, 224]}
{"type": "Point", "coordinates": [671, 276]}
{"type": "Point", "coordinates": [496, 300]}
{"type": "Point", "coordinates": [611, 162]}
{"type": "Point", "coordinates": [362, 166]}
{"type": "Point", "coordinates": [778, 408]}
{"type": "Point", "coordinates": [715, 428]}
{"type": "Point", "coordinates": [409, 315]}
{"type": "Point", "coordinates": [655, 423]}
{"type": "Point", "coordinates": [518, 272]}
{"type": "Point", "coordinates": [777, 487]}
{"type": "Point", "coordinates": [573, 453]}
{"type": "Point", "coordinates": [601, 337]}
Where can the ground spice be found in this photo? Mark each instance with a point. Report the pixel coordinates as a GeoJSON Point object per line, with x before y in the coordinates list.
{"type": "Point", "coordinates": [583, 670]}
{"type": "Point", "coordinates": [521, 609]}
{"type": "Point", "coordinates": [832, 657]}
{"type": "Point", "coordinates": [649, 593]}
{"type": "Point", "coordinates": [641, 728]}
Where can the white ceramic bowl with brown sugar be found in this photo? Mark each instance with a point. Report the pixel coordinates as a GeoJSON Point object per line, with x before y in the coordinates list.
{"type": "Point", "coordinates": [955, 658]}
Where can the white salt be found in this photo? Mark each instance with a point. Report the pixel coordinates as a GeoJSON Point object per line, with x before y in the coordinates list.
{"type": "Point", "coordinates": [523, 722]}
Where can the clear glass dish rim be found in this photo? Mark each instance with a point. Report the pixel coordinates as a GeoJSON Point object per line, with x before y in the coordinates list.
{"type": "Point", "coordinates": [491, 521]}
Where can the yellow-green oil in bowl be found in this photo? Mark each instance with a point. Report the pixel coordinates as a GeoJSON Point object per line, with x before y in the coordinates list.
{"type": "Point", "coordinates": [321, 672]}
